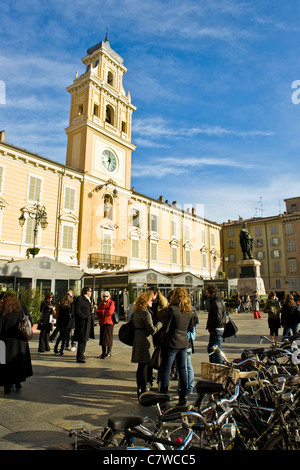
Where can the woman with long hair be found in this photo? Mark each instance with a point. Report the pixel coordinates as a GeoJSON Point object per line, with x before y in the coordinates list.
{"type": "Point", "coordinates": [45, 325]}
{"type": "Point", "coordinates": [63, 310]}
{"type": "Point", "coordinates": [17, 365]}
{"type": "Point", "coordinates": [143, 343]}
{"type": "Point", "coordinates": [289, 316]}
{"type": "Point", "coordinates": [104, 312]}
{"type": "Point", "coordinates": [177, 322]}
{"type": "Point", "coordinates": [272, 308]}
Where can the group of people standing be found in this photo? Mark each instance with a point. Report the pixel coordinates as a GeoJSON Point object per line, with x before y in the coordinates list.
{"type": "Point", "coordinates": [168, 321]}
{"type": "Point", "coordinates": [75, 323]}
{"type": "Point", "coordinates": [65, 322]}
{"type": "Point", "coordinates": [286, 315]}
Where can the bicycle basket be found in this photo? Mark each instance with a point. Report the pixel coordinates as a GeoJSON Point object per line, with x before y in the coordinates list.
{"type": "Point", "coordinates": [217, 372]}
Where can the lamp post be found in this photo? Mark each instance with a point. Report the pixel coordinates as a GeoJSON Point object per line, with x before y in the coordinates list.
{"type": "Point", "coordinates": [39, 215]}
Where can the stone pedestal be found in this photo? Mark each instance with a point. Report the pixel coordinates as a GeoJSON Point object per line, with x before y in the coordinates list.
{"type": "Point", "coordinates": [250, 280]}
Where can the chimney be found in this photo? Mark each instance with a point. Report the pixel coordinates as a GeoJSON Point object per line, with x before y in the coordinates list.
{"type": "Point", "coordinates": [193, 211]}
{"type": "Point", "coordinates": [2, 136]}
{"type": "Point", "coordinates": [161, 199]}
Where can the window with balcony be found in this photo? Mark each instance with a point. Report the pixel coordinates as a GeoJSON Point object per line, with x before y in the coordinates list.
{"type": "Point", "coordinates": [107, 243]}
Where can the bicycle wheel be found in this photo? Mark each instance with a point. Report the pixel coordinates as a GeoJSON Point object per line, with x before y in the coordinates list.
{"type": "Point", "coordinates": [282, 442]}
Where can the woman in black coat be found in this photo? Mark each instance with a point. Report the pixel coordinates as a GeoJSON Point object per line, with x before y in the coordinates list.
{"type": "Point", "coordinates": [17, 365]}
{"type": "Point", "coordinates": [177, 322]}
{"type": "Point", "coordinates": [289, 316]}
{"type": "Point", "coordinates": [143, 338]}
{"type": "Point", "coordinates": [63, 311]}
{"type": "Point", "coordinates": [45, 325]}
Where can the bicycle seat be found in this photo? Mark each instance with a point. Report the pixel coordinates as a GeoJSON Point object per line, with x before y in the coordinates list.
{"type": "Point", "coordinates": [153, 398]}
{"type": "Point", "coordinates": [252, 352]}
{"type": "Point", "coordinates": [207, 386]}
{"type": "Point", "coordinates": [124, 422]}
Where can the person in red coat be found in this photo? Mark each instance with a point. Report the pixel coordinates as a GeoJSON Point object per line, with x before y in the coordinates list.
{"type": "Point", "coordinates": [105, 311]}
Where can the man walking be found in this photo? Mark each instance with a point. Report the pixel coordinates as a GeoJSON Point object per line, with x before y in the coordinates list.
{"type": "Point", "coordinates": [215, 322]}
{"type": "Point", "coordinates": [84, 324]}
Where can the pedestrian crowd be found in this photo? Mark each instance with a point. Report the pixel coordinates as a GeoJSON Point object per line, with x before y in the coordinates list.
{"type": "Point", "coordinates": [168, 324]}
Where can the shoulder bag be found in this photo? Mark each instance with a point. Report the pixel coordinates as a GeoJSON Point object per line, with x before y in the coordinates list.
{"type": "Point", "coordinates": [230, 329]}
{"type": "Point", "coordinates": [24, 326]}
{"type": "Point", "coordinates": [126, 333]}
{"type": "Point", "coordinates": [115, 318]}
{"type": "Point", "coordinates": [156, 359]}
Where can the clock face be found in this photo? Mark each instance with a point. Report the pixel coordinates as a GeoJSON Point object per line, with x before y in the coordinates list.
{"type": "Point", "coordinates": [109, 160]}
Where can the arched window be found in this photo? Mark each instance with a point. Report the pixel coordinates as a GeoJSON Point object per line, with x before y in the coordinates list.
{"type": "Point", "coordinates": [108, 206]}
{"type": "Point", "coordinates": [109, 116]}
{"type": "Point", "coordinates": [110, 78]}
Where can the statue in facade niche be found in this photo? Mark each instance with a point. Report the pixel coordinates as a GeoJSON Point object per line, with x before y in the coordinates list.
{"type": "Point", "coordinates": [246, 242]}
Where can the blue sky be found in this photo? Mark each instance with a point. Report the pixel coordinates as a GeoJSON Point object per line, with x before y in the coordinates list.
{"type": "Point", "coordinates": [217, 120]}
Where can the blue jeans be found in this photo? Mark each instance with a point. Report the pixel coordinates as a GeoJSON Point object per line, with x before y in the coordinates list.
{"type": "Point", "coordinates": [189, 371]}
{"type": "Point", "coordinates": [169, 355]}
{"type": "Point", "coordinates": [288, 329]}
{"type": "Point", "coordinates": [215, 339]}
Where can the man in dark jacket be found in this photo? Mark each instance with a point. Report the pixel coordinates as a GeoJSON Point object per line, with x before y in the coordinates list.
{"type": "Point", "coordinates": [84, 325]}
{"type": "Point", "coordinates": [215, 322]}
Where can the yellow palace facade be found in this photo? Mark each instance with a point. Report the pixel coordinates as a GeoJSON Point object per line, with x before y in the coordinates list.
{"type": "Point", "coordinates": [93, 219]}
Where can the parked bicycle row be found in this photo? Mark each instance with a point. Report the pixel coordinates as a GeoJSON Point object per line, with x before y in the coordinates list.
{"type": "Point", "coordinates": [250, 403]}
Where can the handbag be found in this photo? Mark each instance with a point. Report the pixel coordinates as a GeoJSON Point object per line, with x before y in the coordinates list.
{"type": "Point", "coordinates": [156, 359]}
{"type": "Point", "coordinates": [24, 326]}
{"type": "Point", "coordinates": [126, 333]}
{"type": "Point", "coordinates": [115, 318]}
{"type": "Point", "coordinates": [230, 329]}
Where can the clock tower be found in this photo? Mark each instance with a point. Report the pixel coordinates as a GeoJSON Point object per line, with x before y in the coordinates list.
{"type": "Point", "coordinates": [99, 131]}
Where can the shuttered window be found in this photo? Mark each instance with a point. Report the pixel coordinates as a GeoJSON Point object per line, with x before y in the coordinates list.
{"type": "Point", "coordinates": [153, 251]}
{"type": "Point", "coordinates": [188, 257]}
{"type": "Point", "coordinates": [1, 179]}
{"type": "Point", "coordinates": [29, 236]}
{"type": "Point", "coordinates": [174, 254]}
{"type": "Point", "coordinates": [34, 189]}
{"type": "Point", "coordinates": [135, 248]}
{"type": "Point", "coordinates": [69, 199]}
{"type": "Point", "coordinates": [67, 237]}
{"type": "Point", "coordinates": [106, 243]}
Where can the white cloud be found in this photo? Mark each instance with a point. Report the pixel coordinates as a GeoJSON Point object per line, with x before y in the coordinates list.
{"type": "Point", "coordinates": [157, 127]}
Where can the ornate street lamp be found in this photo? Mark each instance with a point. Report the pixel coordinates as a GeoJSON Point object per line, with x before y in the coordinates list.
{"type": "Point", "coordinates": [39, 214]}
